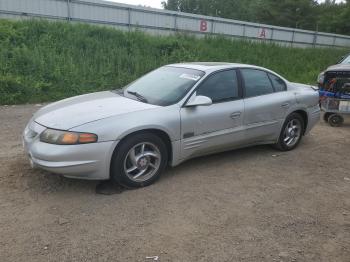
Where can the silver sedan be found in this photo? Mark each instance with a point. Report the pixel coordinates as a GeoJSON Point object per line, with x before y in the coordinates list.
{"type": "Point", "coordinates": [171, 114]}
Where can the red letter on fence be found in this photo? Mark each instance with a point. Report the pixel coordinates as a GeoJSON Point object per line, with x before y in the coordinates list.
{"type": "Point", "coordinates": [203, 26]}
{"type": "Point", "coordinates": [262, 33]}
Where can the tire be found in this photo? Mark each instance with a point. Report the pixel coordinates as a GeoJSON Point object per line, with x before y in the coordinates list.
{"type": "Point", "coordinates": [291, 133]}
{"type": "Point", "coordinates": [335, 120]}
{"type": "Point", "coordinates": [326, 116]}
{"type": "Point", "coordinates": [139, 160]}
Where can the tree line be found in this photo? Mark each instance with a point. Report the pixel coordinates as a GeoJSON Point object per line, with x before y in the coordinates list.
{"type": "Point", "coordinates": [328, 16]}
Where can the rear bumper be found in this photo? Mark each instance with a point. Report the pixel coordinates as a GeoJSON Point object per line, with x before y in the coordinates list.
{"type": "Point", "coordinates": [89, 161]}
{"type": "Point", "coordinates": [314, 116]}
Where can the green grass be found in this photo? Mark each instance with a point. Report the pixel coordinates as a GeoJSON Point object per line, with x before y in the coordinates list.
{"type": "Point", "coordinates": [45, 61]}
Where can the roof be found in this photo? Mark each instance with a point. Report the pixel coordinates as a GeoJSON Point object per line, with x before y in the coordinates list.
{"type": "Point", "coordinates": [211, 66]}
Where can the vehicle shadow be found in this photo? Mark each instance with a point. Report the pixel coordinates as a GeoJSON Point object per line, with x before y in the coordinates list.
{"type": "Point", "coordinates": [221, 160]}
{"type": "Point", "coordinates": [22, 177]}
{"type": "Point", "coordinates": [43, 182]}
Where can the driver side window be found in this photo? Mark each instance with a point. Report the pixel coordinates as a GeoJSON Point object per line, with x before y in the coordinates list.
{"type": "Point", "coordinates": [220, 87]}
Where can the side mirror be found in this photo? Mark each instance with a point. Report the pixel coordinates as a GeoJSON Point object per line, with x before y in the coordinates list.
{"type": "Point", "coordinates": [200, 101]}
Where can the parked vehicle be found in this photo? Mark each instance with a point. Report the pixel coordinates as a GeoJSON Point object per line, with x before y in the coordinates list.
{"type": "Point", "coordinates": [172, 114]}
{"type": "Point", "coordinates": [334, 86]}
{"type": "Point", "coordinates": [334, 109]}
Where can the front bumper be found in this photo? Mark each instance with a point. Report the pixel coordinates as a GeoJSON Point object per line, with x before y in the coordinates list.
{"type": "Point", "coordinates": [86, 161]}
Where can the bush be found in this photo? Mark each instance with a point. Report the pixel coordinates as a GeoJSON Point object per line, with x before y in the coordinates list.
{"type": "Point", "coordinates": [46, 61]}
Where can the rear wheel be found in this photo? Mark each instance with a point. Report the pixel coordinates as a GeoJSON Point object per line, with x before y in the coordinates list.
{"type": "Point", "coordinates": [335, 120]}
{"type": "Point", "coordinates": [139, 160]}
{"type": "Point", "coordinates": [292, 133]}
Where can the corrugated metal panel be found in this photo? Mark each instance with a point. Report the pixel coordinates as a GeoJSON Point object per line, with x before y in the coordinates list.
{"type": "Point", "coordinates": [163, 22]}
{"type": "Point", "coordinates": [324, 40]}
{"type": "Point", "coordinates": [283, 35]}
{"type": "Point", "coordinates": [43, 7]}
{"type": "Point", "coordinates": [228, 29]}
{"type": "Point", "coordinates": [149, 19]}
{"type": "Point", "coordinates": [303, 37]}
{"type": "Point", "coordinates": [98, 13]}
{"type": "Point", "coordinates": [192, 24]}
{"type": "Point", "coordinates": [256, 32]}
{"type": "Point", "coordinates": [342, 42]}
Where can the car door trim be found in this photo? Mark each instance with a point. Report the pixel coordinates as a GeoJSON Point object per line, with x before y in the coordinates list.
{"type": "Point", "coordinates": [260, 124]}
{"type": "Point", "coordinates": [199, 140]}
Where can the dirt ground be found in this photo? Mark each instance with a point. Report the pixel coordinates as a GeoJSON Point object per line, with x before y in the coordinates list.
{"type": "Point", "coordinates": [255, 204]}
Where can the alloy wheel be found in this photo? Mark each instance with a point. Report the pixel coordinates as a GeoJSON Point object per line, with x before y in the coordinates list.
{"type": "Point", "coordinates": [292, 132]}
{"type": "Point", "coordinates": [142, 162]}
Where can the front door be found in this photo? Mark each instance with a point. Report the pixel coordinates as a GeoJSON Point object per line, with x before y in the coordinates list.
{"type": "Point", "coordinates": [217, 127]}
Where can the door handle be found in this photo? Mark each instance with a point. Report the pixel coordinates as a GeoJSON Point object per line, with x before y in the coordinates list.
{"type": "Point", "coordinates": [285, 105]}
{"type": "Point", "coordinates": [235, 115]}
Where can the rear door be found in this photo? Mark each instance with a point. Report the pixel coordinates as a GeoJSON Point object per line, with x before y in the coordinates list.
{"type": "Point", "coordinates": [216, 127]}
{"type": "Point", "coordinates": [266, 102]}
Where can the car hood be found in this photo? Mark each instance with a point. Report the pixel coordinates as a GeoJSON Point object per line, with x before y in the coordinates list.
{"type": "Point", "coordinates": [76, 111]}
{"type": "Point", "coordinates": [339, 67]}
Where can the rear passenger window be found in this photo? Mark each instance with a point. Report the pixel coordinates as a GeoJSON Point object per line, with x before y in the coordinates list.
{"type": "Point", "coordinates": [256, 82]}
{"type": "Point", "coordinates": [278, 83]}
{"type": "Point", "coordinates": [220, 87]}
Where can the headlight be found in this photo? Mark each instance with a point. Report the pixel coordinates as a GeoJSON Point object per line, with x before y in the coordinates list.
{"type": "Point", "coordinates": [59, 137]}
{"type": "Point", "coordinates": [320, 78]}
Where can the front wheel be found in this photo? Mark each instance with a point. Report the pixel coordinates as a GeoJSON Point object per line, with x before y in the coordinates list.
{"type": "Point", "coordinates": [139, 160]}
{"type": "Point", "coordinates": [292, 133]}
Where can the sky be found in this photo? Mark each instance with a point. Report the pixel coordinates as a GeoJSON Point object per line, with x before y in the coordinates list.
{"type": "Point", "coordinates": [155, 3]}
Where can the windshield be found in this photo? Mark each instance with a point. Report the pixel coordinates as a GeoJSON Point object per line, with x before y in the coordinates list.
{"type": "Point", "coordinates": [164, 86]}
{"type": "Point", "coordinates": [346, 61]}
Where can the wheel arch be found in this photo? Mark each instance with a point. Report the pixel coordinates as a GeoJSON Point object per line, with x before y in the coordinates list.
{"type": "Point", "coordinates": [156, 131]}
{"type": "Point", "coordinates": [305, 117]}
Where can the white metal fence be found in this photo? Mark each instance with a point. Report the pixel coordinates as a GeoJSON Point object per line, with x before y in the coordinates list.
{"type": "Point", "coordinates": [163, 22]}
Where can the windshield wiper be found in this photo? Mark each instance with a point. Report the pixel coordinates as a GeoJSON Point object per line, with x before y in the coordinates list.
{"type": "Point", "coordinates": [138, 96]}
{"type": "Point", "coordinates": [118, 91]}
